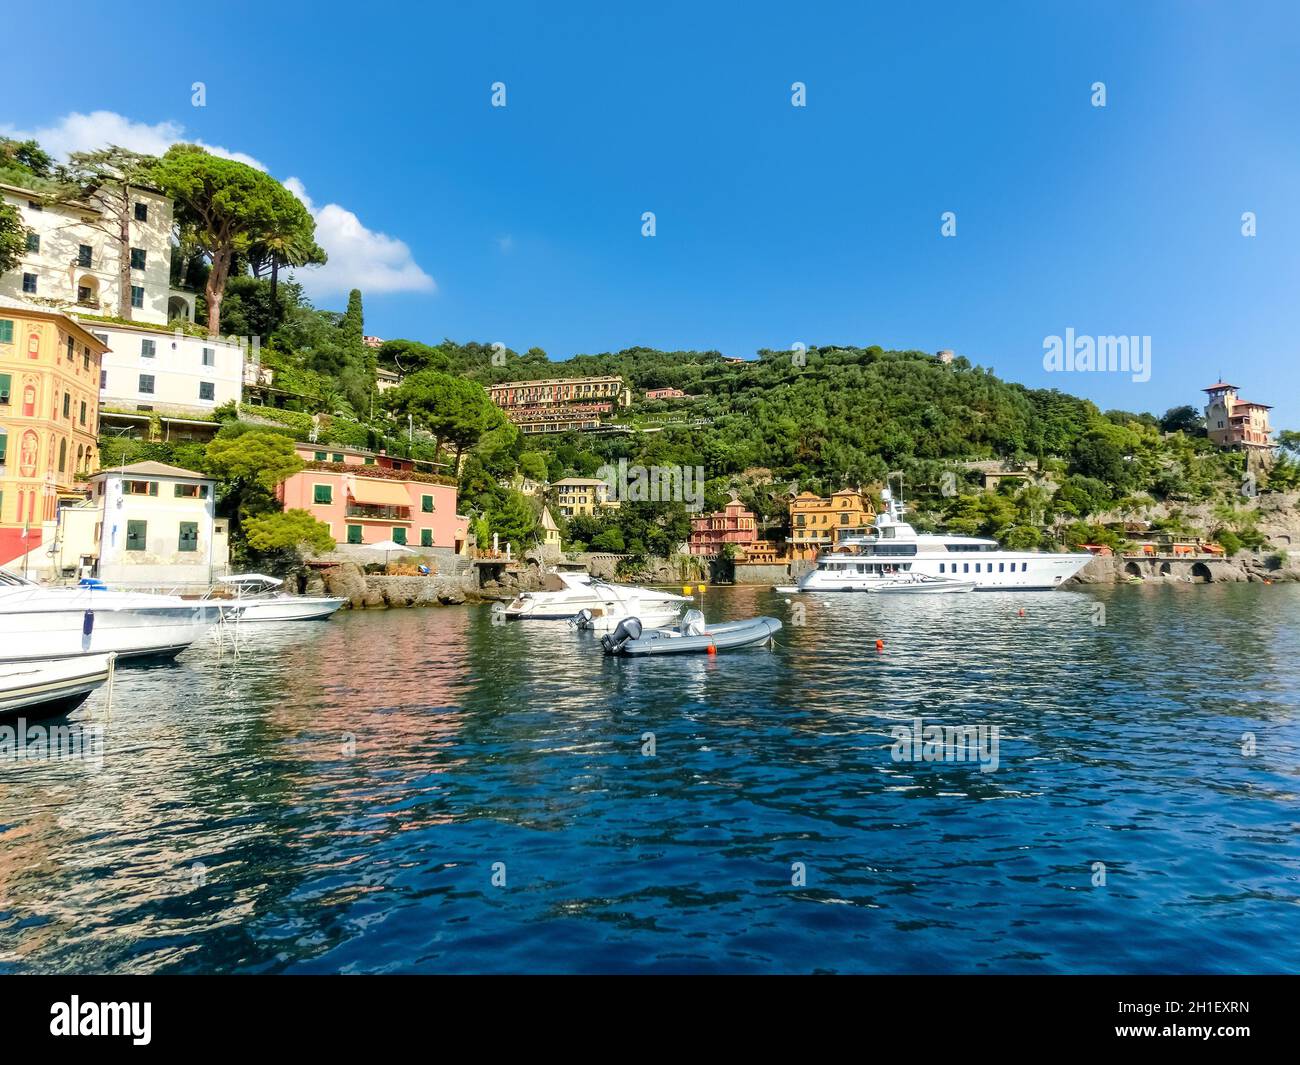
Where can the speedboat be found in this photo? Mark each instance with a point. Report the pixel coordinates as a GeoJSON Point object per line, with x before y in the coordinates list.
{"type": "Point", "coordinates": [37, 622]}
{"type": "Point", "coordinates": [693, 636]}
{"type": "Point", "coordinates": [56, 686]}
{"type": "Point", "coordinates": [895, 551]}
{"type": "Point", "coordinates": [256, 599]}
{"type": "Point", "coordinates": [606, 618]}
{"type": "Point", "coordinates": [577, 591]}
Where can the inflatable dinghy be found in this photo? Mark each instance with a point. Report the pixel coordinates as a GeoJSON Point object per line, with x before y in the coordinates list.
{"type": "Point", "coordinates": [693, 635]}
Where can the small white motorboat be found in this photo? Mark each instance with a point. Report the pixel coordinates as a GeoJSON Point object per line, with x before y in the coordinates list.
{"type": "Point", "coordinates": [38, 622]}
{"type": "Point", "coordinates": [693, 636]}
{"type": "Point", "coordinates": [572, 592]}
{"type": "Point", "coordinates": [256, 599]}
{"type": "Point", "coordinates": [606, 618]}
{"type": "Point", "coordinates": [51, 687]}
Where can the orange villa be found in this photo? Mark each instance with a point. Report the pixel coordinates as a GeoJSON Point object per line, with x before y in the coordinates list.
{"type": "Point", "coordinates": [367, 498]}
{"type": "Point", "coordinates": [819, 522]}
{"type": "Point", "coordinates": [733, 526]}
{"type": "Point", "coordinates": [49, 418]}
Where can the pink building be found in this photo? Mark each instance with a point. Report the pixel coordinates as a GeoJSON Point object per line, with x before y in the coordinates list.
{"type": "Point", "coordinates": [733, 524]}
{"type": "Point", "coordinates": [666, 393]}
{"type": "Point", "coordinates": [366, 498]}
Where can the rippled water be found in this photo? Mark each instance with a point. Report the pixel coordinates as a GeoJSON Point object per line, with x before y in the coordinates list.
{"type": "Point", "coordinates": [334, 797]}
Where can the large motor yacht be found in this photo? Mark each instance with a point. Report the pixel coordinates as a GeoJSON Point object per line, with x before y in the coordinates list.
{"type": "Point", "coordinates": [894, 549]}
{"type": "Point", "coordinates": [37, 622]}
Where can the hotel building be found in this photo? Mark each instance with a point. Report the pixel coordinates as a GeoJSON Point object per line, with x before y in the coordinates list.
{"type": "Point", "coordinates": [732, 526]}
{"type": "Point", "coordinates": [582, 495]}
{"type": "Point", "coordinates": [819, 522]}
{"type": "Point", "coordinates": [1233, 422]}
{"type": "Point", "coordinates": [561, 404]}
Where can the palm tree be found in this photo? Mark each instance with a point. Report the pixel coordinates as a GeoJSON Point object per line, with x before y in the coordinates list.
{"type": "Point", "coordinates": [283, 249]}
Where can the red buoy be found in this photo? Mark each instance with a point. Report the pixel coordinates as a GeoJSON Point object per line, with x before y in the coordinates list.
{"type": "Point", "coordinates": [880, 645]}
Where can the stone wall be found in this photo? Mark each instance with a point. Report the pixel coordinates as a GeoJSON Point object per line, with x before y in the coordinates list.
{"type": "Point", "coordinates": [1246, 566]}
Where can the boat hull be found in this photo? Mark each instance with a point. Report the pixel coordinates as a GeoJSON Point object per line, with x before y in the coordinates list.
{"type": "Point", "coordinates": [138, 633]}
{"type": "Point", "coordinates": [285, 608]}
{"type": "Point", "coordinates": [48, 689]}
{"type": "Point", "coordinates": [733, 634]}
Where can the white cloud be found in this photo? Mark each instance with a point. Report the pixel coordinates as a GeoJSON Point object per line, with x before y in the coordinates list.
{"type": "Point", "coordinates": [76, 132]}
{"type": "Point", "coordinates": [358, 257]}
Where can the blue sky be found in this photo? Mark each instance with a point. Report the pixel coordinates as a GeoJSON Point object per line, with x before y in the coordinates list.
{"type": "Point", "coordinates": [775, 224]}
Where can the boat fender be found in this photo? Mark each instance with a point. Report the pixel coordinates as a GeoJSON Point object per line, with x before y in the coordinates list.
{"type": "Point", "coordinates": [88, 623]}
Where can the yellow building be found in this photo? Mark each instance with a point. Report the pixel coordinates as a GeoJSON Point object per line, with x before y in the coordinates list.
{"type": "Point", "coordinates": [582, 495]}
{"type": "Point", "coordinates": [49, 418]}
{"type": "Point", "coordinates": [820, 522]}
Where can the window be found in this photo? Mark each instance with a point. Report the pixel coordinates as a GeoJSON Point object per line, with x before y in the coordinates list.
{"type": "Point", "coordinates": [142, 212]}
{"type": "Point", "coordinates": [146, 383]}
{"type": "Point", "coordinates": [6, 383]}
{"type": "Point", "coordinates": [103, 379]}
{"type": "Point", "coordinates": [399, 535]}
{"type": "Point", "coordinates": [139, 488]}
{"type": "Point", "coordinates": [190, 491]}
{"type": "Point", "coordinates": [136, 535]}
{"type": "Point", "coordinates": [84, 255]}
{"type": "Point", "coordinates": [29, 283]}
{"type": "Point", "coordinates": [320, 456]}
{"type": "Point", "coordinates": [370, 460]}
{"type": "Point", "coordinates": [1001, 566]}
{"type": "Point", "coordinates": [63, 455]}
{"type": "Point", "coordinates": [72, 347]}
{"type": "Point", "coordinates": [137, 258]}
{"type": "Point", "coordinates": [148, 349]}
{"type": "Point", "coordinates": [354, 534]}
{"type": "Point", "coordinates": [426, 504]}
{"type": "Point", "coordinates": [1024, 566]}
{"type": "Point", "coordinates": [67, 404]}
{"type": "Point", "coordinates": [940, 567]}
{"type": "Point", "coordinates": [137, 296]}
{"type": "Point", "coordinates": [82, 419]}
{"type": "Point", "coordinates": [322, 493]}
{"type": "Point", "coordinates": [6, 331]}
{"type": "Point", "coordinates": [33, 242]}
{"type": "Point", "coordinates": [336, 458]}
{"type": "Point", "coordinates": [426, 537]}
{"type": "Point", "coordinates": [965, 567]}
{"type": "Point", "coordinates": [207, 390]}
{"type": "Point", "coordinates": [209, 356]}
{"type": "Point", "coordinates": [4, 446]}
{"type": "Point", "coordinates": [102, 338]}
{"type": "Point", "coordinates": [189, 536]}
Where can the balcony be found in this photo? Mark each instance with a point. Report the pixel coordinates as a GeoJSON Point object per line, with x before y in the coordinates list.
{"type": "Point", "coordinates": [378, 512]}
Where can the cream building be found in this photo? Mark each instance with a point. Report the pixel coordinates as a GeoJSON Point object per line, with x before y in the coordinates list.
{"type": "Point", "coordinates": [155, 525]}
{"type": "Point", "coordinates": [73, 257]}
{"type": "Point", "coordinates": [582, 495]}
{"type": "Point", "coordinates": [148, 369]}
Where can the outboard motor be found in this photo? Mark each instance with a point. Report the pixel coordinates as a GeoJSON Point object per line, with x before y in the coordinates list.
{"type": "Point", "coordinates": [693, 623]}
{"type": "Point", "coordinates": [628, 629]}
{"type": "Point", "coordinates": [582, 619]}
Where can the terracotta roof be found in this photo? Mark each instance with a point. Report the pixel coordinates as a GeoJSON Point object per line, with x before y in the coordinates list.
{"type": "Point", "coordinates": [152, 469]}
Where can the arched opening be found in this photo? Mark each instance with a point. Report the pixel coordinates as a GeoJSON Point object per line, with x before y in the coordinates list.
{"type": "Point", "coordinates": [1166, 569]}
{"type": "Point", "coordinates": [1132, 569]}
{"type": "Point", "coordinates": [178, 308]}
{"type": "Point", "coordinates": [1201, 572]}
{"type": "Point", "coordinates": [88, 291]}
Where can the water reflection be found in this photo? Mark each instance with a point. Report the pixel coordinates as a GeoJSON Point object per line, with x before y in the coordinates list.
{"type": "Point", "coordinates": [333, 797]}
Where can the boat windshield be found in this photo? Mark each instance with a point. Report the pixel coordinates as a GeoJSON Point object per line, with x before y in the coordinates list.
{"type": "Point", "coordinates": [12, 580]}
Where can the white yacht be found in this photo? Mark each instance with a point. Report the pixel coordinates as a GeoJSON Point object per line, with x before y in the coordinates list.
{"type": "Point", "coordinates": [37, 622]}
{"type": "Point", "coordinates": [894, 550]}
{"type": "Point", "coordinates": [56, 686]}
{"type": "Point", "coordinates": [257, 598]}
{"type": "Point", "coordinates": [581, 591]}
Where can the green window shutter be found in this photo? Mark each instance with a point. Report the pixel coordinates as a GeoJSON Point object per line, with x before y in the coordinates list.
{"type": "Point", "coordinates": [426, 537]}
{"type": "Point", "coordinates": [153, 488]}
{"type": "Point", "coordinates": [399, 536]}
{"type": "Point", "coordinates": [189, 536]}
{"type": "Point", "coordinates": [6, 331]}
{"type": "Point", "coordinates": [320, 456]}
{"type": "Point", "coordinates": [323, 493]}
{"type": "Point", "coordinates": [6, 383]}
{"type": "Point", "coordinates": [136, 535]}
{"type": "Point", "coordinates": [426, 504]}
{"type": "Point", "coordinates": [336, 458]}
{"type": "Point", "coordinates": [354, 534]}
{"type": "Point", "coordinates": [4, 445]}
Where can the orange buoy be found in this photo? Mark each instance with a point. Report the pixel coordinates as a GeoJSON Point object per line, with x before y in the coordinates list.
{"type": "Point", "coordinates": [1022, 612]}
{"type": "Point", "coordinates": [880, 645]}
{"type": "Point", "coordinates": [712, 650]}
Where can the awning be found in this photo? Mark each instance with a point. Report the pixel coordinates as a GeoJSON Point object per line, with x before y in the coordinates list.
{"type": "Point", "coordinates": [379, 493]}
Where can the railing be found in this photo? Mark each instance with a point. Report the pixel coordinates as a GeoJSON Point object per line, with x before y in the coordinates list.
{"type": "Point", "coordinates": [378, 511]}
